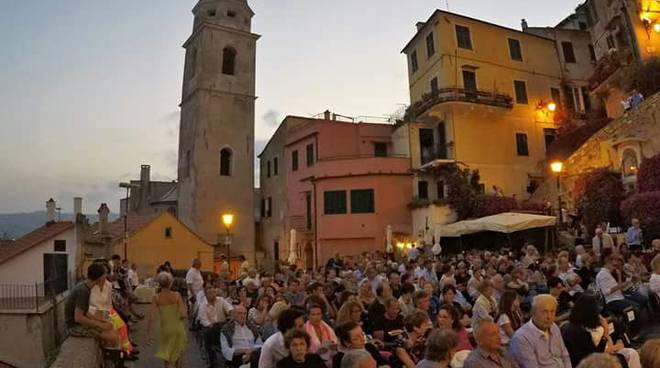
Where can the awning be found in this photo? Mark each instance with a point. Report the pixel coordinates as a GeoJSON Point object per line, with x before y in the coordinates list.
{"type": "Point", "coordinates": [509, 222]}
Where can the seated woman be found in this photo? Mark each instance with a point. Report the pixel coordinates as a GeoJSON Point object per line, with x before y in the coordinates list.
{"type": "Point", "coordinates": [322, 338]}
{"type": "Point", "coordinates": [448, 297]}
{"type": "Point", "coordinates": [509, 316]}
{"type": "Point", "coordinates": [448, 319]}
{"type": "Point", "coordinates": [485, 308]}
{"type": "Point", "coordinates": [297, 342]}
{"type": "Point", "coordinates": [350, 311]}
{"type": "Point", "coordinates": [587, 332]}
{"type": "Point", "coordinates": [352, 337]}
{"type": "Point", "coordinates": [409, 347]}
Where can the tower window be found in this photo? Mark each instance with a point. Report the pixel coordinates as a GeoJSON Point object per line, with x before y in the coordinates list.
{"type": "Point", "coordinates": [211, 12]}
{"type": "Point", "coordinates": [294, 160]}
{"type": "Point", "coordinates": [231, 14]}
{"type": "Point", "coordinates": [275, 166]}
{"type": "Point", "coordinates": [228, 61]}
{"type": "Point", "coordinates": [225, 162]}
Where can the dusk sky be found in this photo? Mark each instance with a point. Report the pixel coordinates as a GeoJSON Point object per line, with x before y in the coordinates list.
{"type": "Point", "coordinates": [90, 89]}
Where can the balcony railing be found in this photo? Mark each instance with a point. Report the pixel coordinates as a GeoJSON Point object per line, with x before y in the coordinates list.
{"type": "Point", "coordinates": [608, 65]}
{"type": "Point", "coordinates": [299, 223]}
{"type": "Point", "coordinates": [457, 94]}
{"type": "Point", "coordinates": [437, 152]}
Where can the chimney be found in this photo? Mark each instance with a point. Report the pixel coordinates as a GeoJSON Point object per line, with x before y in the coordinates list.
{"type": "Point", "coordinates": [50, 211]}
{"type": "Point", "coordinates": [103, 218]}
{"type": "Point", "coordinates": [420, 25]}
{"type": "Point", "coordinates": [144, 174]}
{"type": "Point", "coordinates": [77, 206]}
{"type": "Point", "coordinates": [326, 115]}
{"type": "Point", "coordinates": [524, 25]}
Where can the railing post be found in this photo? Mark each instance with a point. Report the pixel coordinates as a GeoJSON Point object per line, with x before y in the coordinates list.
{"type": "Point", "coordinates": [36, 297]}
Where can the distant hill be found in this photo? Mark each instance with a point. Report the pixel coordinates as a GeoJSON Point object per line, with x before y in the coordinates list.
{"type": "Point", "coordinates": [15, 225]}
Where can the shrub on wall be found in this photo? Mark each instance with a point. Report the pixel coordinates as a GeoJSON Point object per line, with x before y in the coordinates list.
{"type": "Point", "coordinates": [492, 205]}
{"type": "Point", "coordinates": [648, 176]}
{"type": "Point", "coordinates": [599, 196]}
{"type": "Point", "coordinates": [463, 190]}
{"type": "Point", "coordinates": [646, 208]}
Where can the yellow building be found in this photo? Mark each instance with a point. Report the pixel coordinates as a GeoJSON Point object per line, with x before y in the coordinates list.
{"type": "Point", "coordinates": [152, 239]}
{"type": "Point", "coordinates": [480, 95]}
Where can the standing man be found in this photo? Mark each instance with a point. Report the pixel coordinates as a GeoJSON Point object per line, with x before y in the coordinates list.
{"type": "Point", "coordinates": [489, 352]}
{"type": "Point", "coordinates": [194, 279]}
{"type": "Point", "coordinates": [634, 237]}
{"type": "Point", "coordinates": [538, 343]}
{"type": "Point", "coordinates": [600, 242]}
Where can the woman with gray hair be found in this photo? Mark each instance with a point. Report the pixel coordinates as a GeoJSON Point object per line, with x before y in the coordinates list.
{"type": "Point", "coordinates": [170, 309]}
{"type": "Point", "coordinates": [440, 345]}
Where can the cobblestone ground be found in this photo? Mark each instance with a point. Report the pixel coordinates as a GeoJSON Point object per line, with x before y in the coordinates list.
{"type": "Point", "coordinates": [192, 357]}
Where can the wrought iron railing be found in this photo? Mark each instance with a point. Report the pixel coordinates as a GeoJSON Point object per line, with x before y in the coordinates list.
{"type": "Point", "coordinates": [22, 296]}
{"type": "Point", "coordinates": [457, 94]}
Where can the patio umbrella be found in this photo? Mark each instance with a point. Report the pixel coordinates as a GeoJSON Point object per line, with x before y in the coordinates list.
{"type": "Point", "coordinates": [293, 256]}
{"type": "Point", "coordinates": [388, 235]}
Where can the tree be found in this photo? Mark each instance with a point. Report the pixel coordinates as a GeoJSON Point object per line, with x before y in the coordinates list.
{"type": "Point", "coordinates": [645, 204]}
{"type": "Point", "coordinates": [463, 190]}
{"type": "Point", "coordinates": [648, 176]}
{"type": "Point", "coordinates": [598, 196]}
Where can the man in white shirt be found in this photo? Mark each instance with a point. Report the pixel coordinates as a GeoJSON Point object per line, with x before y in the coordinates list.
{"type": "Point", "coordinates": [208, 318]}
{"type": "Point", "coordinates": [133, 277]}
{"type": "Point", "coordinates": [194, 279]}
{"type": "Point", "coordinates": [252, 277]}
{"type": "Point", "coordinates": [601, 241]}
{"type": "Point", "coordinates": [237, 339]}
{"type": "Point", "coordinates": [274, 349]}
{"type": "Point", "coordinates": [613, 290]}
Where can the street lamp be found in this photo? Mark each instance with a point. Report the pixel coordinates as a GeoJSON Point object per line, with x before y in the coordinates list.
{"type": "Point", "coordinates": [128, 187]}
{"type": "Point", "coordinates": [228, 220]}
{"type": "Point", "coordinates": [557, 167]}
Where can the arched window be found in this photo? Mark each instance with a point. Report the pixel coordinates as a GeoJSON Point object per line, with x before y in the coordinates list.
{"type": "Point", "coordinates": [629, 164]}
{"type": "Point", "coordinates": [228, 61]}
{"type": "Point", "coordinates": [225, 162]}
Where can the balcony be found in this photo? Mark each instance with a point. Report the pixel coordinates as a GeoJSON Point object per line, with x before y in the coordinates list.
{"type": "Point", "coordinates": [443, 151]}
{"type": "Point", "coordinates": [609, 65]}
{"type": "Point", "coordinates": [457, 95]}
{"type": "Point", "coordinates": [299, 223]}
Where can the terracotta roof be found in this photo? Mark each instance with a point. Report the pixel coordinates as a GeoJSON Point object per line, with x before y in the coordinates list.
{"type": "Point", "coordinates": [10, 249]}
{"type": "Point", "coordinates": [115, 231]}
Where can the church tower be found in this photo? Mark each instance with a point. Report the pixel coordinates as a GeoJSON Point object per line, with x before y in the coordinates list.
{"type": "Point", "coordinates": [216, 136]}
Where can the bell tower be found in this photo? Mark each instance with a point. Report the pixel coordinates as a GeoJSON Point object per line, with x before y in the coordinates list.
{"type": "Point", "coordinates": [216, 136]}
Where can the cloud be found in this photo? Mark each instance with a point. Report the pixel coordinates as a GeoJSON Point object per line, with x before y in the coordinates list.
{"type": "Point", "coordinates": [171, 159]}
{"type": "Point", "coordinates": [271, 118]}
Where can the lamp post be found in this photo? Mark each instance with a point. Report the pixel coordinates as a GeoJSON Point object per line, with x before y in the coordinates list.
{"type": "Point", "coordinates": [228, 220]}
{"type": "Point", "coordinates": [128, 187]}
{"type": "Point", "coordinates": [557, 167]}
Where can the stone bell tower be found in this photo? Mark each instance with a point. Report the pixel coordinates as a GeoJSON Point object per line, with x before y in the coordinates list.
{"type": "Point", "coordinates": [216, 137]}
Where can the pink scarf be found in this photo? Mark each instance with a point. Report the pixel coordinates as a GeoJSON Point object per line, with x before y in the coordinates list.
{"type": "Point", "coordinates": [327, 334]}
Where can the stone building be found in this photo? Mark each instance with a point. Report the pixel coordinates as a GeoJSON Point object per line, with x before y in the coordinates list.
{"type": "Point", "coordinates": [146, 196]}
{"type": "Point", "coordinates": [216, 139]}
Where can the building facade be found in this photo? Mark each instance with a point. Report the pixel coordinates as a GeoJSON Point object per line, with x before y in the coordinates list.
{"type": "Point", "coordinates": [216, 139]}
{"type": "Point", "coordinates": [338, 185]}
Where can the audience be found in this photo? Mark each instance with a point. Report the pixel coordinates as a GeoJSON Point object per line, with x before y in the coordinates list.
{"type": "Point", "coordinates": [489, 352]}
{"type": "Point", "coordinates": [440, 347]}
{"type": "Point", "coordinates": [650, 354]}
{"type": "Point", "coordinates": [274, 348]}
{"type": "Point", "coordinates": [509, 317]}
{"type": "Point", "coordinates": [297, 342]}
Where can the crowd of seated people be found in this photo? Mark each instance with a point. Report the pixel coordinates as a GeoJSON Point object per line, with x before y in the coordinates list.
{"type": "Point", "coordinates": [478, 308]}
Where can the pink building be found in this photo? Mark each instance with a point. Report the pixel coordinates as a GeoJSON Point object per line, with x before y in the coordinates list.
{"type": "Point", "coordinates": [337, 184]}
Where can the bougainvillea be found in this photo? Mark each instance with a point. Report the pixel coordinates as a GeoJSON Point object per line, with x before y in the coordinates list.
{"type": "Point", "coordinates": [646, 208]}
{"type": "Point", "coordinates": [648, 176]}
{"type": "Point", "coordinates": [600, 197]}
{"type": "Point", "coordinates": [492, 205]}
{"type": "Point", "coordinates": [463, 190]}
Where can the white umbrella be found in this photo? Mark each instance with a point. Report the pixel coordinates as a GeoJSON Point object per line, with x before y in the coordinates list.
{"type": "Point", "coordinates": [293, 257]}
{"type": "Point", "coordinates": [437, 249]}
{"type": "Point", "coordinates": [388, 236]}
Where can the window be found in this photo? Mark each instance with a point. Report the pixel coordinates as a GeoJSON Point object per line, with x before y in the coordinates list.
{"type": "Point", "coordinates": [168, 232]}
{"type": "Point", "coordinates": [59, 246]}
{"type": "Point", "coordinates": [263, 208]}
{"type": "Point", "coordinates": [269, 207]}
{"type": "Point", "coordinates": [592, 53]}
{"type": "Point", "coordinates": [569, 54]}
{"type": "Point", "coordinates": [442, 146]}
{"type": "Point", "coordinates": [582, 25]}
{"type": "Point", "coordinates": [577, 100]}
{"type": "Point", "coordinates": [434, 85]}
{"type": "Point", "coordinates": [211, 13]}
{"type": "Point", "coordinates": [521, 92]}
{"type": "Point", "coordinates": [310, 154]}
{"type": "Point", "coordinates": [268, 169]}
{"type": "Point", "coordinates": [294, 160]}
{"type": "Point", "coordinates": [470, 83]}
{"type": "Point", "coordinates": [308, 211]}
{"type": "Point", "coordinates": [225, 162]}
{"type": "Point", "coordinates": [228, 61]}
{"type": "Point", "coordinates": [463, 37]}
{"type": "Point", "coordinates": [430, 45]}
{"type": "Point", "coordinates": [334, 202]}
{"type": "Point", "coordinates": [556, 96]}
{"type": "Point", "coordinates": [521, 144]}
{"type": "Point", "coordinates": [514, 50]}
{"type": "Point", "coordinates": [362, 201]}
{"type": "Point", "coordinates": [380, 149]}
{"type": "Point", "coordinates": [422, 189]}
{"type": "Point", "coordinates": [275, 166]}
{"type": "Point", "coordinates": [440, 190]}
{"type": "Point", "coordinates": [629, 163]}
{"type": "Point", "coordinates": [549, 135]}
{"type": "Point", "coordinates": [426, 144]}
{"type": "Point", "coordinates": [414, 65]}
{"type": "Point", "coordinates": [231, 14]}
{"type": "Point", "coordinates": [585, 99]}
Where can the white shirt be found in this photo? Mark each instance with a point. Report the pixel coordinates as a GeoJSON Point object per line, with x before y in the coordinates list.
{"type": "Point", "coordinates": [607, 242]}
{"type": "Point", "coordinates": [195, 280]}
{"type": "Point", "coordinates": [243, 339]}
{"type": "Point", "coordinates": [255, 281]}
{"type": "Point", "coordinates": [605, 282]}
{"type": "Point", "coordinates": [504, 320]}
{"type": "Point", "coordinates": [273, 351]}
{"type": "Point", "coordinates": [654, 283]}
{"type": "Point", "coordinates": [413, 253]}
{"type": "Point", "coordinates": [569, 276]}
{"type": "Point", "coordinates": [101, 300]}
{"type": "Point", "coordinates": [133, 277]}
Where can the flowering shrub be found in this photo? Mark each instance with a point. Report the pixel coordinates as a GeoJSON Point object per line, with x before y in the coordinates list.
{"type": "Point", "coordinates": [645, 207]}
{"type": "Point", "coordinates": [492, 205]}
{"type": "Point", "coordinates": [598, 195]}
{"type": "Point", "coordinates": [648, 176]}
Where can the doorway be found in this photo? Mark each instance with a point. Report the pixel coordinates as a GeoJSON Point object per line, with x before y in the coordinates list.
{"type": "Point", "coordinates": [56, 272]}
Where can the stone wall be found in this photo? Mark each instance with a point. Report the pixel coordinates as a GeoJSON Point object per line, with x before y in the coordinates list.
{"type": "Point", "coordinates": [638, 130]}
{"type": "Point", "coordinates": [79, 352]}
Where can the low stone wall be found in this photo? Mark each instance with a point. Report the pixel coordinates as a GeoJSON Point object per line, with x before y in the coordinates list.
{"type": "Point", "coordinates": [79, 352]}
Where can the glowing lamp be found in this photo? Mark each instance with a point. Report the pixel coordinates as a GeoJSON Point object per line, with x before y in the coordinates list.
{"type": "Point", "coordinates": [552, 106]}
{"type": "Point", "coordinates": [227, 219]}
{"type": "Point", "coordinates": [656, 27]}
{"type": "Point", "coordinates": [557, 167]}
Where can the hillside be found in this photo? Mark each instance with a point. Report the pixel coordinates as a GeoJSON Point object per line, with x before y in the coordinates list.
{"type": "Point", "coordinates": [15, 225]}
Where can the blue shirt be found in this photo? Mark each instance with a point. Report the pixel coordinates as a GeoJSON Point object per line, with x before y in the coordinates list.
{"type": "Point", "coordinates": [633, 236]}
{"type": "Point", "coordinates": [533, 348]}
